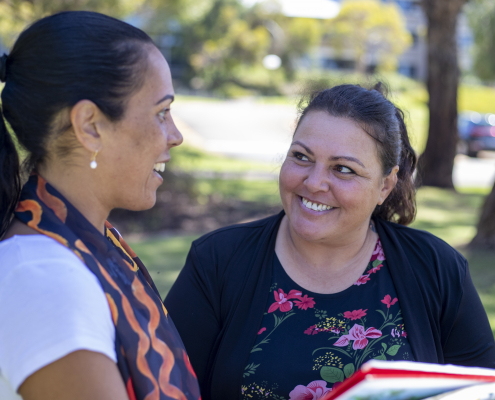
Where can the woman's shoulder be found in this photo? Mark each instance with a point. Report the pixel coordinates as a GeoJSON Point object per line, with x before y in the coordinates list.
{"type": "Point", "coordinates": [45, 288]}
{"type": "Point", "coordinates": [22, 249]}
{"type": "Point", "coordinates": [422, 248]}
{"type": "Point", "coordinates": [43, 263]}
{"type": "Point", "coordinates": [34, 249]}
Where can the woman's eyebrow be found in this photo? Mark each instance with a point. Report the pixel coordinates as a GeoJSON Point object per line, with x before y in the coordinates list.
{"type": "Point", "coordinates": [302, 145]}
{"type": "Point", "coordinates": [352, 159]}
{"type": "Point", "coordinates": [166, 97]}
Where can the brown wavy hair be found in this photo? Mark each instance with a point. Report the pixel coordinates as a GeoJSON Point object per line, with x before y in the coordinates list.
{"type": "Point", "coordinates": [384, 122]}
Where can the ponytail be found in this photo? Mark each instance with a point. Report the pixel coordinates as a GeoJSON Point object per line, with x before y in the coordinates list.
{"type": "Point", "coordinates": [10, 180]}
{"type": "Point", "coordinates": [400, 205]}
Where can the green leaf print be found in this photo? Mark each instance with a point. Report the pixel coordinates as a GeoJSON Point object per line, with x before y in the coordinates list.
{"type": "Point", "coordinates": [332, 374]}
{"type": "Point", "coordinates": [349, 370]}
{"type": "Point", "coordinates": [381, 357]}
{"type": "Point", "coordinates": [393, 350]}
{"type": "Point", "coordinates": [376, 263]}
{"type": "Point", "coordinates": [383, 314]}
{"type": "Point", "coordinates": [384, 346]}
{"type": "Point", "coordinates": [250, 369]}
{"type": "Point", "coordinates": [277, 322]}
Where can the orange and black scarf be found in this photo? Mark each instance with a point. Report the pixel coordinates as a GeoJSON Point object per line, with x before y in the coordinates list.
{"type": "Point", "coordinates": [150, 353]}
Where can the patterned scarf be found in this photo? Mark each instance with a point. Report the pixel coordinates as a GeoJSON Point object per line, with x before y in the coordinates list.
{"type": "Point", "coordinates": [150, 353]}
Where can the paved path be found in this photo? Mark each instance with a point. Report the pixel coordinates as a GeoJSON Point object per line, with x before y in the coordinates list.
{"type": "Point", "coordinates": [252, 130]}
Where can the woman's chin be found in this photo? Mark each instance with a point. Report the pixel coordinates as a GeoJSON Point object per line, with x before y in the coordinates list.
{"type": "Point", "coordinates": [310, 232]}
{"type": "Point", "coordinates": [142, 204]}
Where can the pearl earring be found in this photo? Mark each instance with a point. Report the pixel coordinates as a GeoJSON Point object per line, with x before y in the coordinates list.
{"type": "Point", "coordinates": [93, 163]}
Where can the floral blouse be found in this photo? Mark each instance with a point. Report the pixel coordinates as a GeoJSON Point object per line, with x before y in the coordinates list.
{"type": "Point", "coordinates": [308, 342]}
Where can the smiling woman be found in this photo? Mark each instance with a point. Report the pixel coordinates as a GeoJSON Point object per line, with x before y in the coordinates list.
{"type": "Point", "coordinates": [290, 306]}
{"type": "Point", "coordinates": [88, 98]}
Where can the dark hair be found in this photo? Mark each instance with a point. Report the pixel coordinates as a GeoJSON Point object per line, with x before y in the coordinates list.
{"type": "Point", "coordinates": [56, 62]}
{"type": "Point", "coordinates": [384, 122]}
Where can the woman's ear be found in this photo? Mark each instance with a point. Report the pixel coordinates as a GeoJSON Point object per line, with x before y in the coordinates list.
{"type": "Point", "coordinates": [388, 185]}
{"type": "Point", "coordinates": [84, 117]}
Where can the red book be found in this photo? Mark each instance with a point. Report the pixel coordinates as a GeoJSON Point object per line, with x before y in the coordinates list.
{"type": "Point", "coordinates": [400, 380]}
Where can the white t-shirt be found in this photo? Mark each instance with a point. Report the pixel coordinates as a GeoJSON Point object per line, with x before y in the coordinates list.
{"type": "Point", "coordinates": [51, 305]}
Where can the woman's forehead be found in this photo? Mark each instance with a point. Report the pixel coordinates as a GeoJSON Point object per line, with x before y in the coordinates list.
{"type": "Point", "coordinates": [322, 127]}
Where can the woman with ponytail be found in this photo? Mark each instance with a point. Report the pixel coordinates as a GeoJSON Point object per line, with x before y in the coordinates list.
{"type": "Point", "coordinates": [87, 98]}
{"type": "Point", "coordinates": [291, 305]}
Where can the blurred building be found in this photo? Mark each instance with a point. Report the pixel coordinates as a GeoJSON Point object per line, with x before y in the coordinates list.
{"type": "Point", "coordinates": [413, 62]}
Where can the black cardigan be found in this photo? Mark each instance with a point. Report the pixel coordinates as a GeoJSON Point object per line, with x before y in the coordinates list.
{"type": "Point", "coordinates": [218, 300]}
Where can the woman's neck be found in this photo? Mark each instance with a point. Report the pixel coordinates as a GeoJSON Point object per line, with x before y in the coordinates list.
{"type": "Point", "coordinates": [81, 190]}
{"type": "Point", "coordinates": [324, 267]}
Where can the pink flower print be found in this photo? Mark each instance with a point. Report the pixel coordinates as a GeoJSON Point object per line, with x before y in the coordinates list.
{"type": "Point", "coordinates": [404, 334]}
{"type": "Point", "coordinates": [309, 331]}
{"type": "Point", "coordinates": [386, 300]}
{"type": "Point", "coordinates": [378, 253]}
{"type": "Point", "coordinates": [261, 331]}
{"type": "Point", "coordinates": [375, 269]}
{"type": "Point", "coordinates": [282, 300]}
{"type": "Point", "coordinates": [305, 302]}
{"type": "Point", "coordinates": [314, 391]}
{"type": "Point", "coordinates": [362, 280]}
{"type": "Point", "coordinates": [356, 314]}
{"type": "Point", "coordinates": [359, 336]}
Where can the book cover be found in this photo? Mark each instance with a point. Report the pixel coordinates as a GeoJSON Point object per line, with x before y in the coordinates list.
{"type": "Point", "coordinates": [403, 380]}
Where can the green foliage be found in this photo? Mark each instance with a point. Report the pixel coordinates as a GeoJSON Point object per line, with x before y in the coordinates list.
{"type": "Point", "coordinates": [221, 43]}
{"type": "Point", "coordinates": [369, 27]}
{"type": "Point", "coordinates": [477, 98]}
{"type": "Point", "coordinates": [481, 14]}
{"type": "Point", "coordinates": [15, 15]}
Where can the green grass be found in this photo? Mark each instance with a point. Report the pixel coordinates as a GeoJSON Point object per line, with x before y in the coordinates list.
{"type": "Point", "coordinates": [164, 257]}
{"type": "Point", "coordinates": [448, 215]}
{"type": "Point", "coordinates": [190, 159]}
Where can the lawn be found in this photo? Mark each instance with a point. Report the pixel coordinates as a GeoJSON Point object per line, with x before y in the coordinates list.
{"type": "Point", "coordinates": [451, 216]}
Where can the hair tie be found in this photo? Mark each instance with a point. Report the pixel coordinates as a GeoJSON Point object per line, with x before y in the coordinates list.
{"type": "Point", "coordinates": [3, 68]}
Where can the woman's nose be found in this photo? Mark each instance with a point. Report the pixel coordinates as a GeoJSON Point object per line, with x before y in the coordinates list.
{"type": "Point", "coordinates": [174, 136]}
{"type": "Point", "coordinates": [318, 179]}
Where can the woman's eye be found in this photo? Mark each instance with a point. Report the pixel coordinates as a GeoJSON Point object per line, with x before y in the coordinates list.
{"type": "Point", "coordinates": [300, 156]}
{"type": "Point", "coordinates": [162, 114]}
{"type": "Point", "coordinates": [344, 170]}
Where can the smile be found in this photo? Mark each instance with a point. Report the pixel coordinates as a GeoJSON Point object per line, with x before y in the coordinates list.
{"type": "Point", "coordinates": [315, 206]}
{"type": "Point", "coordinates": [159, 167]}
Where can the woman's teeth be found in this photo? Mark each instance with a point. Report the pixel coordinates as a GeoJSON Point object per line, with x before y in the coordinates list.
{"type": "Point", "coordinates": [159, 167]}
{"type": "Point", "coordinates": [315, 206]}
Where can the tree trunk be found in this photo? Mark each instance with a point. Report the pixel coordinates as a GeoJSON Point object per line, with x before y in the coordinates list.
{"type": "Point", "coordinates": [485, 238]}
{"type": "Point", "coordinates": [437, 162]}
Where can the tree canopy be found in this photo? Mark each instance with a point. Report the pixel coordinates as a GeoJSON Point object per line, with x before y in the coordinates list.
{"type": "Point", "coordinates": [371, 29]}
{"type": "Point", "coordinates": [481, 14]}
{"type": "Point", "coordinates": [15, 15]}
{"type": "Point", "coordinates": [224, 42]}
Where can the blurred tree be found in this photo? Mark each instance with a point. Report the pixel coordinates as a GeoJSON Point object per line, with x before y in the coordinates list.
{"type": "Point", "coordinates": [223, 42]}
{"type": "Point", "coordinates": [437, 162]}
{"type": "Point", "coordinates": [482, 17]}
{"type": "Point", "coordinates": [485, 236]}
{"type": "Point", "coordinates": [15, 15]}
{"type": "Point", "coordinates": [369, 28]}
{"type": "Point", "coordinates": [481, 14]}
